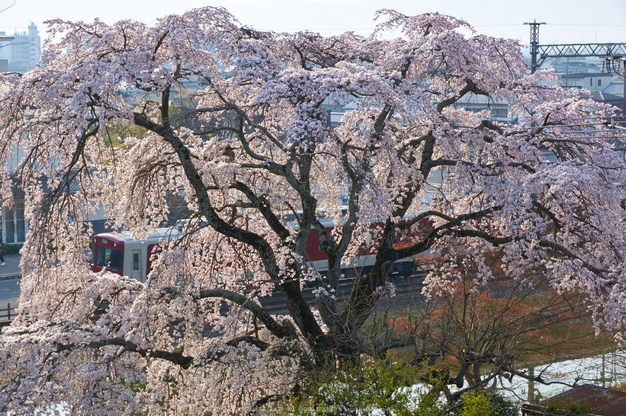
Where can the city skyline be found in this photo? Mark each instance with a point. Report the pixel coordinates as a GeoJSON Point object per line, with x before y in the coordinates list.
{"type": "Point", "coordinates": [567, 21]}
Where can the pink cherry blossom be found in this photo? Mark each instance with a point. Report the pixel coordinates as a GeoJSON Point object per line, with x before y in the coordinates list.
{"type": "Point", "coordinates": [257, 143]}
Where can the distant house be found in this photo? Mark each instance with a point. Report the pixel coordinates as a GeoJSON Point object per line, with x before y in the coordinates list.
{"type": "Point", "coordinates": [605, 87]}
{"type": "Point", "coordinates": [498, 110]}
{"type": "Point", "coordinates": [584, 400]}
{"type": "Point", "coordinates": [589, 81]}
{"type": "Point", "coordinates": [616, 87]}
{"type": "Point", "coordinates": [14, 226]}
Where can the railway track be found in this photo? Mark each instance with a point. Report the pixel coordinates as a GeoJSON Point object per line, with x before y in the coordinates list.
{"type": "Point", "coordinates": [275, 304]}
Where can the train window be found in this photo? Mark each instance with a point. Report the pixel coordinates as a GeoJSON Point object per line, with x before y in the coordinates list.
{"type": "Point", "coordinates": [100, 256]}
{"type": "Point", "coordinates": [331, 243]}
{"type": "Point", "coordinates": [109, 258]}
{"type": "Point", "coordinates": [135, 262]}
{"type": "Point", "coordinates": [373, 236]}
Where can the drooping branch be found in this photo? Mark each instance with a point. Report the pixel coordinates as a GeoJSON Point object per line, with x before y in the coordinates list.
{"type": "Point", "coordinates": [247, 303]}
{"type": "Point", "coordinates": [264, 208]}
{"type": "Point", "coordinates": [174, 357]}
{"type": "Point", "coordinates": [563, 250]}
{"type": "Point", "coordinates": [470, 86]}
{"type": "Point", "coordinates": [204, 202]}
{"type": "Point", "coordinates": [296, 304]}
{"type": "Point", "coordinates": [448, 229]}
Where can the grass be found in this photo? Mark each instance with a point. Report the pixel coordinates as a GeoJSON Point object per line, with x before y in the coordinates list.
{"type": "Point", "coordinates": [542, 336]}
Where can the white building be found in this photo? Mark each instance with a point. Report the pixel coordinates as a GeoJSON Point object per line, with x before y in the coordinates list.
{"type": "Point", "coordinates": [589, 81]}
{"type": "Point", "coordinates": [23, 52]}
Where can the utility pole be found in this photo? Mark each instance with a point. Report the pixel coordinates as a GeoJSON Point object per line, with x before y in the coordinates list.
{"type": "Point", "coordinates": [612, 53]}
{"type": "Point", "coordinates": [534, 43]}
{"type": "Point", "coordinates": [624, 78]}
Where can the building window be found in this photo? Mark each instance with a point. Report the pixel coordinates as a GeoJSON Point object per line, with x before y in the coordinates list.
{"type": "Point", "coordinates": [599, 82]}
{"type": "Point", "coordinates": [499, 112]}
{"type": "Point", "coordinates": [14, 226]}
{"type": "Point", "coordinates": [591, 82]}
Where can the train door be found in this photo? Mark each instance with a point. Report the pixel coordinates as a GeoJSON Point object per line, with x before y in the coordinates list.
{"type": "Point", "coordinates": [136, 266]}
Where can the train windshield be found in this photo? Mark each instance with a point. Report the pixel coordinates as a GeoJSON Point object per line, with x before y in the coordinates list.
{"type": "Point", "coordinates": [109, 258]}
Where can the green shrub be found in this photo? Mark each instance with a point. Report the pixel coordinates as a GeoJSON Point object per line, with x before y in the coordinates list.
{"type": "Point", "coordinates": [477, 403]}
{"type": "Point", "coordinates": [390, 389]}
{"type": "Point", "coordinates": [482, 403]}
{"type": "Point", "coordinates": [504, 406]}
{"type": "Point", "coordinates": [364, 389]}
{"type": "Point", "coordinates": [13, 248]}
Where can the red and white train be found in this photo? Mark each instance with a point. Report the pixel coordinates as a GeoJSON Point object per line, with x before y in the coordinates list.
{"type": "Point", "coordinates": [122, 254]}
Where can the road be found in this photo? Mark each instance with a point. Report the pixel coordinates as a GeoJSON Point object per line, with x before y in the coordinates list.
{"type": "Point", "coordinates": [11, 267]}
{"type": "Point", "coordinates": [9, 281]}
{"type": "Point", "coordinates": [9, 291]}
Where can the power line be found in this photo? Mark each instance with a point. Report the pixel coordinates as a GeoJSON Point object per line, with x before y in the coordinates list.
{"type": "Point", "coordinates": [551, 24]}
{"type": "Point", "coordinates": [8, 7]}
{"type": "Point", "coordinates": [588, 25]}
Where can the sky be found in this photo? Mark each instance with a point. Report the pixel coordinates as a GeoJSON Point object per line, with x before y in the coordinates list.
{"type": "Point", "coordinates": [568, 21]}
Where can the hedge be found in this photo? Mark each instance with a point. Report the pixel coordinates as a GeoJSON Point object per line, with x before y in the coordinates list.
{"type": "Point", "coordinates": [13, 248]}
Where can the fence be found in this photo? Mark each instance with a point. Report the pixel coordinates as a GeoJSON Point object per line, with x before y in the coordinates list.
{"type": "Point", "coordinates": [6, 314]}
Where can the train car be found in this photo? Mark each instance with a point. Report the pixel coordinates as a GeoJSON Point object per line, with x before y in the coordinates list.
{"type": "Point", "coordinates": [360, 264]}
{"type": "Point", "coordinates": [122, 254]}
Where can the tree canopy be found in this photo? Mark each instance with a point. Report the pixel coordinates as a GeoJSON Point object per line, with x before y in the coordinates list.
{"type": "Point", "coordinates": [544, 192]}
